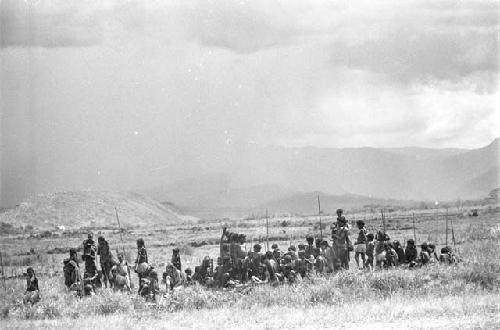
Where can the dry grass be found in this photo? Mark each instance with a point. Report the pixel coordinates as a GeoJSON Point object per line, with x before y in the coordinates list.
{"type": "Point", "coordinates": [462, 296]}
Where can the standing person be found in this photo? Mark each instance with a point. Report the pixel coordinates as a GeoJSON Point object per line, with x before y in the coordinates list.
{"type": "Point", "coordinates": [141, 262]}
{"type": "Point", "coordinates": [340, 235]}
{"type": "Point", "coordinates": [89, 248]}
{"type": "Point", "coordinates": [370, 249]}
{"type": "Point", "coordinates": [176, 258]}
{"type": "Point", "coordinates": [328, 253]}
{"type": "Point", "coordinates": [32, 294]}
{"type": "Point", "coordinates": [105, 259]}
{"type": "Point", "coordinates": [360, 250]}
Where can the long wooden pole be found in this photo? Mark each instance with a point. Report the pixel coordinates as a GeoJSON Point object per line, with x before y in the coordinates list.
{"type": "Point", "coordinates": [446, 226]}
{"type": "Point", "coordinates": [320, 224]}
{"type": "Point", "coordinates": [383, 218]}
{"type": "Point", "coordinates": [121, 239]}
{"type": "Point", "coordinates": [3, 272]}
{"type": "Point", "coordinates": [267, 231]}
{"type": "Point", "coordinates": [452, 233]}
{"type": "Point", "coordinates": [414, 230]}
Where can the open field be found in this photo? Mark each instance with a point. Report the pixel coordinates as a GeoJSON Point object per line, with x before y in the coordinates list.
{"type": "Point", "coordinates": [465, 295]}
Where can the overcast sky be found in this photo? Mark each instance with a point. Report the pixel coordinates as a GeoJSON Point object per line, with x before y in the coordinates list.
{"type": "Point", "coordinates": [101, 93]}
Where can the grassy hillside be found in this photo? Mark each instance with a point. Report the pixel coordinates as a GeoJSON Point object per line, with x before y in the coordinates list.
{"type": "Point", "coordinates": [89, 209]}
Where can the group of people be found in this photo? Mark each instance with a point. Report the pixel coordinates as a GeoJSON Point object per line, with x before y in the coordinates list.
{"type": "Point", "coordinates": [235, 266]}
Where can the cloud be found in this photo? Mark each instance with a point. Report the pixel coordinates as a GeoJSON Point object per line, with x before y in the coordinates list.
{"type": "Point", "coordinates": [49, 24]}
{"type": "Point", "coordinates": [423, 115]}
{"type": "Point", "coordinates": [410, 41]}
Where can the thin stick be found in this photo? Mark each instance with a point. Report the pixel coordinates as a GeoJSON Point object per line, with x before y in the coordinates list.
{"type": "Point", "coordinates": [446, 226]}
{"type": "Point", "coordinates": [3, 272]}
{"type": "Point", "coordinates": [414, 230]}
{"type": "Point", "coordinates": [320, 224]}
{"type": "Point", "coordinates": [452, 233]}
{"type": "Point", "coordinates": [121, 239]}
{"type": "Point", "coordinates": [383, 218]}
{"type": "Point", "coordinates": [267, 231]}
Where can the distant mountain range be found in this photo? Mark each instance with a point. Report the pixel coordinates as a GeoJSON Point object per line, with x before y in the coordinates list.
{"type": "Point", "coordinates": [289, 179]}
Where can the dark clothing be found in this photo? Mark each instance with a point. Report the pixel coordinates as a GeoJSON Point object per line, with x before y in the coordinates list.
{"type": "Point", "coordinates": [411, 254]}
{"type": "Point", "coordinates": [104, 252]}
{"type": "Point", "coordinates": [401, 254]}
{"type": "Point", "coordinates": [106, 261]}
{"type": "Point", "coordinates": [370, 249]}
{"type": "Point", "coordinates": [32, 284]}
{"type": "Point", "coordinates": [176, 261]}
{"type": "Point", "coordinates": [71, 272]}
{"type": "Point", "coordinates": [89, 249]}
{"type": "Point", "coordinates": [142, 255]}
{"type": "Point", "coordinates": [312, 250]}
{"type": "Point", "coordinates": [362, 236]}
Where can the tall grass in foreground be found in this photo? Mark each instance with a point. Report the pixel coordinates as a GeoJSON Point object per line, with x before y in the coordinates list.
{"type": "Point", "coordinates": [479, 272]}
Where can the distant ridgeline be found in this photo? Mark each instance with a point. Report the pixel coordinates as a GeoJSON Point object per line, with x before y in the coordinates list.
{"type": "Point", "coordinates": [71, 210]}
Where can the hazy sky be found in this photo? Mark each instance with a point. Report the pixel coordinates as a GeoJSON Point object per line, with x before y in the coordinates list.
{"type": "Point", "coordinates": [117, 94]}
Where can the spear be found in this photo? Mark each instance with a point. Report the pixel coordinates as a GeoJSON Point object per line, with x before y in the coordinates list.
{"type": "Point", "coordinates": [121, 240]}
{"type": "Point", "coordinates": [414, 233]}
{"type": "Point", "coordinates": [320, 224]}
{"type": "Point", "coordinates": [383, 218]}
{"type": "Point", "coordinates": [452, 233]}
{"type": "Point", "coordinates": [267, 231]}
{"type": "Point", "coordinates": [3, 272]}
{"type": "Point", "coordinates": [446, 226]}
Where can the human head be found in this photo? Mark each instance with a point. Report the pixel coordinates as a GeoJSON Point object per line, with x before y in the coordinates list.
{"type": "Point", "coordinates": [431, 247]}
{"type": "Point", "coordinates": [30, 271]}
{"type": "Point", "coordinates": [277, 253]}
{"type": "Point", "coordinates": [72, 253]}
{"type": "Point", "coordinates": [301, 247]}
{"type": "Point", "coordinates": [340, 212]}
{"type": "Point", "coordinates": [318, 242]}
{"type": "Point", "coordinates": [274, 246]}
{"type": "Point", "coordinates": [175, 251]}
{"type": "Point", "coordinates": [140, 243]}
{"type": "Point", "coordinates": [410, 242]}
{"type": "Point", "coordinates": [369, 237]}
{"type": "Point", "coordinates": [90, 236]}
{"type": "Point", "coordinates": [100, 239]}
{"type": "Point", "coordinates": [169, 268]}
{"type": "Point", "coordinates": [324, 244]}
{"type": "Point", "coordinates": [257, 247]}
{"type": "Point", "coordinates": [360, 224]}
{"type": "Point", "coordinates": [269, 255]}
{"type": "Point", "coordinates": [242, 238]}
{"type": "Point", "coordinates": [396, 244]}
{"type": "Point", "coordinates": [292, 248]}
{"type": "Point", "coordinates": [310, 239]}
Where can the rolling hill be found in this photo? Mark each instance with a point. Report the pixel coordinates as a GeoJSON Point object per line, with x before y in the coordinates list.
{"type": "Point", "coordinates": [89, 208]}
{"type": "Point", "coordinates": [269, 176]}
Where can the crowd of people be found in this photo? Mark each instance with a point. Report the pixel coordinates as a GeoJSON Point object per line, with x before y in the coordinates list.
{"type": "Point", "coordinates": [235, 266]}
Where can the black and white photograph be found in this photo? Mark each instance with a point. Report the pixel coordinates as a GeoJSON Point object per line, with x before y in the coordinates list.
{"type": "Point", "coordinates": [249, 164]}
